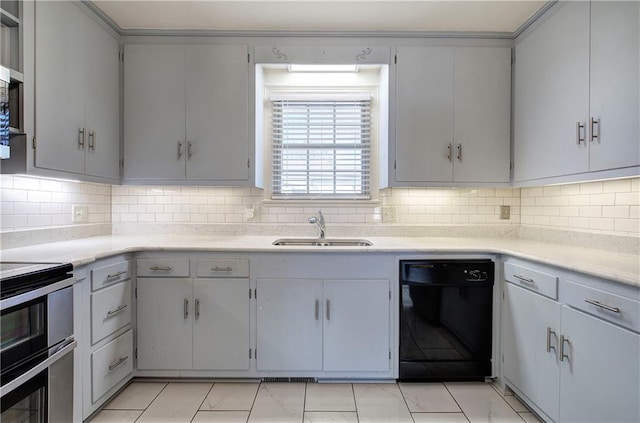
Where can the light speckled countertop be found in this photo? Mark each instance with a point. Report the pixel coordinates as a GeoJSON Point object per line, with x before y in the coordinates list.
{"type": "Point", "coordinates": [618, 267]}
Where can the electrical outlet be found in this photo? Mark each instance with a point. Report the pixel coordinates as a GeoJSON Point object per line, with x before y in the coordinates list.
{"type": "Point", "coordinates": [388, 214]}
{"type": "Point", "coordinates": [505, 212]}
{"type": "Point", "coordinates": [80, 214]}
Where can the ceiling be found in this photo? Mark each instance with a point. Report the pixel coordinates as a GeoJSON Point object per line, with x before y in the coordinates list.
{"type": "Point", "coordinates": [321, 15]}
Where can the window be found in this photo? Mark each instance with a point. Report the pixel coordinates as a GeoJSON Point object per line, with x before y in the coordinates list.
{"type": "Point", "coordinates": [321, 146]}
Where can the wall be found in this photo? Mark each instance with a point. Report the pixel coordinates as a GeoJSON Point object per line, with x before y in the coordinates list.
{"type": "Point", "coordinates": [229, 205]}
{"type": "Point", "coordinates": [39, 210]}
{"type": "Point", "coordinates": [608, 207]}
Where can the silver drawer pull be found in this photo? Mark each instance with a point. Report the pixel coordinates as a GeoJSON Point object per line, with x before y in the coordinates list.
{"type": "Point", "coordinates": [549, 333]}
{"type": "Point", "coordinates": [562, 354]}
{"type": "Point", "coordinates": [118, 362]}
{"type": "Point", "coordinates": [161, 268]}
{"type": "Point", "coordinates": [115, 275]}
{"type": "Point", "coordinates": [116, 310]}
{"type": "Point", "coordinates": [524, 280]}
{"type": "Point", "coordinates": [221, 269]}
{"type": "Point", "coordinates": [599, 304]}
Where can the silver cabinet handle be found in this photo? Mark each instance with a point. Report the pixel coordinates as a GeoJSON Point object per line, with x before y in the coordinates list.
{"type": "Point", "coordinates": [317, 309]}
{"type": "Point", "coordinates": [117, 363]}
{"type": "Point", "coordinates": [81, 137]}
{"type": "Point", "coordinates": [579, 133]}
{"type": "Point", "coordinates": [526, 281]}
{"type": "Point", "coordinates": [595, 134]}
{"type": "Point", "coordinates": [179, 150]}
{"type": "Point", "coordinates": [604, 306]}
{"type": "Point", "coordinates": [562, 341]}
{"type": "Point", "coordinates": [449, 152]}
{"type": "Point", "coordinates": [186, 308]}
{"type": "Point", "coordinates": [115, 275]}
{"type": "Point", "coordinates": [459, 154]}
{"type": "Point", "coordinates": [188, 150]}
{"type": "Point", "coordinates": [328, 309]}
{"type": "Point", "coordinates": [221, 269]}
{"type": "Point", "coordinates": [116, 310]}
{"type": "Point", "coordinates": [549, 333]}
{"type": "Point", "coordinates": [92, 140]}
{"type": "Point", "coordinates": [197, 309]}
{"type": "Point", "coordinates": [161, 268]}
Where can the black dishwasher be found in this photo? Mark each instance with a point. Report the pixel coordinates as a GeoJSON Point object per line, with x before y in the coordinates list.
{"type": "Point", "coordinates": [446, 311]}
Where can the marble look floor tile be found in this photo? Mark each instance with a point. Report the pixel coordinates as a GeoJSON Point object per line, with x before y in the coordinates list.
{"type": "Point", "coordinates": [529, 417]}
{"type": "Point", "coordinates": [116, 416]}
{"type": "Point", "coordinates": [428, 398]}
{"type": "Point", "coordinates": [329, 397]}
{"type": "Point", "coordinates": [330, 417]}
{"type": "Point", "coordinates": [178, 402]}
{"type": "Point", "coordinates": [221, 417]}
{"type": "Point", "coordinates": [439, 418]}
{"type": "Point", "coordinates": [516, 404]}
{"type": "Point", "coordinates": [481, 403]}
{"type": "Point", "coordinates": [231, 396]}
{"type": "Point", "coordinates": [278, 403]}
{"type": "Point", "coordinates": [381, 403]}
{"type": "Point", "coordinates": [136, 396]}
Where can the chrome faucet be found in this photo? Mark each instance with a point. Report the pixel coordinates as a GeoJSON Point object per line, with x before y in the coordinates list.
{"type": "Point", "coordinates": [319, 220]}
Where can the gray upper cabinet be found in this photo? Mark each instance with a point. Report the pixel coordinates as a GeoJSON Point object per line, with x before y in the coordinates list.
{"type": "Point", "coordinates": [186, 113]}
{"type": "Point", "coordinates": [77, 93]}
{"type": "Point", "coordinates": [576, 92]}
{"type": "Point", "coordinates": [452, 115]}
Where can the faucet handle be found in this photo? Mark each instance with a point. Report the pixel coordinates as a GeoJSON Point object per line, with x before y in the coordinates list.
{"type": "Point", "coordinates": [321, 216]}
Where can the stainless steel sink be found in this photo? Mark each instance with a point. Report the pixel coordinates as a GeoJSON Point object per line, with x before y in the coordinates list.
{"type": "Point", "coordinates": [306, 242]}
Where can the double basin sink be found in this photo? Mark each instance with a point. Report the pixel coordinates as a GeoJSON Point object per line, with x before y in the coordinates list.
{"type": "Point", "coordinates": [322, 242]}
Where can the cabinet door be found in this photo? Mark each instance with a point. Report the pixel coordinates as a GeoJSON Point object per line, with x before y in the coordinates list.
{"type": "Point", "coordinates": [527, 365]}
{"type": "Point", "coordinates": [217, 112]}
{"type": "Point", "coordinates": [102, 102]}
{"type": "Point", "coordinates": [602, 366]}
{"type": "Point", "coordinates": [552, 96]}
{"type": "Point", "coordinates": [165, 336]}
{"type": "Point", "coordinates": [221, 324]}
{"type": "Point", "coordinates": [482, 114]}
{"type": "Point", "coordinates": [289, 324]}
{"type": "Point", "coordinates": [356, 325]}
{"type": "Point", "coordinates": [59, 86]}
{"type": "Point", "coordinates": [424, 114]}
{"type": "Point", "coordinates": [154, 112]}
{"type": "Point", "coordinates": [615, 84]}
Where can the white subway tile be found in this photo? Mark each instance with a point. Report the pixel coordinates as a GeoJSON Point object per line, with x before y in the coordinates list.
{"type": "Point", "coordinates": [619, 185]}
{"type": "Point", "coordinates": [164, 217]}
{"type": "Point", "coordinates": [51, 208]}
{"type": "Point", "coordinates": [198, 218]}
{"type": "Point", "coordinates": [628, 199]}
{"type": "Point", "coordinates": [591, 188]}
{"type": "Point", "coordinates": [29, 184]}
{"type": "Point", "coordinates": [634, 212]}
{"type": "Point", "coordinates": [605, 224]}
{"type": "Point", "coordinates": [616, 211]}
{"type": "Point", "coordinates": [39, 220]}
{"type": "Point", "coordinates": [572, 189]}
{"type": "Point", "coordinates": [631, 226]}
{"type": "Point", "coordinates": [215, 218]}
{"type": "Point", "coordinates": [602, 199]}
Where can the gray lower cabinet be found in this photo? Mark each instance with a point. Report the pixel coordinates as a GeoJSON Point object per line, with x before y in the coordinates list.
{"type": "Point", "coordinates": [452, 115]}
{"type": "Point", "coordinates": [186, 113]}
{"type": "Point", "coordinates": [574, 358]}
{"type": "Point", "coordinates": [315, 325]}
{"type": "Point", "coordinates": [189, 323]}
{"type": "Point", "coordinates": [77, 108]}
{"type": "Point", "coordinates": [104, 329]}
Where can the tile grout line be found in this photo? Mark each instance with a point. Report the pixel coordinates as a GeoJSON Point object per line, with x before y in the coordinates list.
{"type": "Point", "coordinates": [253, 403]}
{"type": "Point", "coordinates": [355, 403]}
{"type": "Point", "coordinates": [405, 402]}
{"type": "Point", "coordinates": [203, 400]}
{"type": "Point", "coordinates": [151, 402]}
{"type": "Point", "coordinates": [457, 403]}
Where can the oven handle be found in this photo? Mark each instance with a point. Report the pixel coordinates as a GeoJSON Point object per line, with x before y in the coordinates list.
{"type": "Point", "coordinates": [36, 293]}
{"type": "Point", "coordinates": [65, 348]}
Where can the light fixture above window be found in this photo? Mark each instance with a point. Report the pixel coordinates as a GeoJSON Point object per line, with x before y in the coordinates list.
{"type": "Point", "coordinates": [323, 68]}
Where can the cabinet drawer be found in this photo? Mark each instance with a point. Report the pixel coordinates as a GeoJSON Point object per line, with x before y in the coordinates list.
{"type": "Point", "coordinates": [160, 268]}
{"type": "Point", "coordinates": [111, 364]}
{"type": "Point", "coordinates": [223, 268]}
{"type": "Point", "coordinates": [607, 306]}
{"type": "Point", "coordinates": [532, 279]}
{"type": "Point", "coordinates": [110, 310]}
{"type": "Point", "coordinates": [109, 274]}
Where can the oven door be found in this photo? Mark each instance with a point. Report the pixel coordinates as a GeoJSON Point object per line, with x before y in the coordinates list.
{"type": "Point", "coordinates": [28, 402]}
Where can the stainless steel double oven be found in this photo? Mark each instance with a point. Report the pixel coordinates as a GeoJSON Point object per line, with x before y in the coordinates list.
{"type": "Point", "coordinates": [36, 379]}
